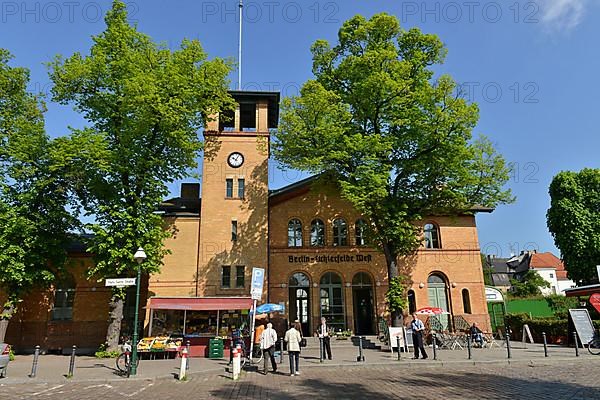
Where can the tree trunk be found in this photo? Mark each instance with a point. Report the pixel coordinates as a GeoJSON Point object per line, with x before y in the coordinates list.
{"type": "Point", "coordinates": [392, 266]}
{"type": "Point", "coordinates": [7, 314]}
{"type": "Point", "coordinates": [115, 317]}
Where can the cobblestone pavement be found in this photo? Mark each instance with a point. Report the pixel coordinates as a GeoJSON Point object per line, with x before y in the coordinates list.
{"type": "Point", "coordinates": [559, 380]}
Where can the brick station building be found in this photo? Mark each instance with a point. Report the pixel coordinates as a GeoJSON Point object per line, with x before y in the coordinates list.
{"type": "Point", "coordinates": [309, 241]}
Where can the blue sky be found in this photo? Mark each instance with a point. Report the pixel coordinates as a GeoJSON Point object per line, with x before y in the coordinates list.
{"type": "Point", "coordinates": [528, 64]}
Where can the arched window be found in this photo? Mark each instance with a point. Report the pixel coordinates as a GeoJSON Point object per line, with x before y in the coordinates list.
{"type": "Point", "coordinates": [64, 296]}
{"type": "Point", "coordinates": [412, 301]}
{"type": "Point", "coordinates": [299, 280]}
{"type": "Point", "coordinates": [360, 229]}
{"type": "Point", "coordinates": [432, 236]}
{"type": "Point", "coordinates": [332, 300]}
{"type": "Point", "coordinates": [299, 297]}
{"type": "Point", "coordinates": [362, 279]}
{"type": "Point", "coordinates": [317, 233]}
{"type": "Point", "coordinates": [295, 233]}
{"type": "Point", "coordinates": [466, 301]}
{"type": "Point", "coordinates": [340, 232]}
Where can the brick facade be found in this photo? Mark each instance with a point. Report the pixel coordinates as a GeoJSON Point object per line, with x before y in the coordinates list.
{"type": "Point", "coordinates": [203, 244]}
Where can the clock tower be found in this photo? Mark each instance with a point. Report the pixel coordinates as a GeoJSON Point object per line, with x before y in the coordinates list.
{"type": "Point", "coordinates": [235, 195]}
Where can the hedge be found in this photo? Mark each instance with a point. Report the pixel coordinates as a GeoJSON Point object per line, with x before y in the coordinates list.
{"type": "Point", "coordinates": [556, 329]}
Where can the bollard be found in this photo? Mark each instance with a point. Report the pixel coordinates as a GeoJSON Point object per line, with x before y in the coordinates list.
{"type": "Point", "coordinates": [183, 366]}
{"type": "Point", "coordinates": [36, 355]}
{"type": "Point", "coordinates": [576, 345]}
{"type": "Point", "coordinates": [508, 344]}
{"type": "Point", "coordinates": [187, 347]}
{"type": "Point", "coordinates": [360, 357]}
{"type": "Point", "coordinates": [281, 351]}
{"type": "Point", "coordinates": [434, 342]}
{"type": "Point", "coordinates": [72, 362]}
{"type": "Point", "coordinates": [545, 344]}
{"type": "Point", "coordinates": [320, 349]}
{"type": "Point", "coordinates": [469, 345]}
{"type": "Point", "coordinates": [237, 364]}
{"type": "Point", "coordinates": [398, 340]}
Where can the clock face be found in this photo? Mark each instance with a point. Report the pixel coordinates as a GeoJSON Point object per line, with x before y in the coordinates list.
{"type": "Point", "coordinates": [235, 160]}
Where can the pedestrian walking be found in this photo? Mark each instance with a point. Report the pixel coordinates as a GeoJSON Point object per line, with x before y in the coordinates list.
{"type": "Point", "coordinates": [418, 330]}
{"type": "Point", "coordinates": [267, 344]}
{"type": "Point", "coordinates": [324, 334]}
{"type": "Point", "coordinates": [293, 337]}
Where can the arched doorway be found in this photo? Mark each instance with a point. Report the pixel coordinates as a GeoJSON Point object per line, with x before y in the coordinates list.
{"type": "Point", "coordinates": [362, 295]}
{"type": "Point", "coordinates": [332, 300]}
{"type": "Point", "coordinates": [438, 296]}
{"type": "Point", "coordinates": [299, 296]}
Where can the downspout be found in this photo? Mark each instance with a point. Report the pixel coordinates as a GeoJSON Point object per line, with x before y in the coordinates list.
{"type": "Point", "coordinates": [198, 249]}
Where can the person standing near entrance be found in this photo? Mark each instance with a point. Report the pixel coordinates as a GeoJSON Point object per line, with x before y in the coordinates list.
{"type": "Point", "coordinates": [418, 331]}
{"type": "Point", "coordinates": [293, 338]}
{"type": "Point", "coordinates": [257, 337]}
{"type": "Point", "coordinates": [268, 340]}
{"type": "Point", "coordinates": [324, 335]}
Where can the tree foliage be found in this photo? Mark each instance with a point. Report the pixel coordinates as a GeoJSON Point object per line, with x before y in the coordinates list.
{"type": "Point", "coordinates": [144, 104]}
{"type": "Point", "coordinates": [574, 221]}
{"type": "Point", "coordinates": [396, 138]}
{"type": "Point", "coordinates": [34, 221]}
{"type": "Point", "coordinates": [530, 284]}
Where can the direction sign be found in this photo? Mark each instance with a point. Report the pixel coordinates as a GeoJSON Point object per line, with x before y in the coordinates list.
{"type": "Point", "coordinates": [258, 279]}
{"type": "Point", "coordinates": [120, 282]}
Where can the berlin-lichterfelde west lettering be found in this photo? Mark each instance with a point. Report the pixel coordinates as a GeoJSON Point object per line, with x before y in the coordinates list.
{"type": "Point", "coordinates": [329, 259]}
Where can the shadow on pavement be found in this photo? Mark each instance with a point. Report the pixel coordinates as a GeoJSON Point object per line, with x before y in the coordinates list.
{"type": "Point", "coordinates": [421, 386]}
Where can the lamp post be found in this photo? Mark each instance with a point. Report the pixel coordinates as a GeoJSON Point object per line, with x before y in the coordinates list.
{"type": "Point", "coordinates": [139, 257]}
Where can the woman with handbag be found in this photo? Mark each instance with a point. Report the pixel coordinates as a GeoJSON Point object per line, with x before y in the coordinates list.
{"type": "Point", "coordinates": [293, 337]}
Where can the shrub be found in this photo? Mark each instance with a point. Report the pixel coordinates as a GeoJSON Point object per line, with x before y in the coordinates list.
{"type": "Point", "coordinates": [560, 305]}
{"type": "Point", "coordinates": [102, 353]}
{"type": "Point", "coordinates": [11, 355]}
{"type": "Point", "coordinates": [556, 329]}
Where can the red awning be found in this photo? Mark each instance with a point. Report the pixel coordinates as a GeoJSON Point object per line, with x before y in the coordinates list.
{"type": "Point", "coordinates": [200, 303]}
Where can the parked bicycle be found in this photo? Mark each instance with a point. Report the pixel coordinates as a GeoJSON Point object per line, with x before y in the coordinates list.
{"type": "Point", "coordinates": [594, 344]}
{"type": "Point", "coordinates": [124, 360]}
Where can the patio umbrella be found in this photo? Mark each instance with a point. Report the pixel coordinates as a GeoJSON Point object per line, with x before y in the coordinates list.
{"type": "Point", "coordinates": [269, 308]}
{"type": "Point", "coordinates": [431, 311]}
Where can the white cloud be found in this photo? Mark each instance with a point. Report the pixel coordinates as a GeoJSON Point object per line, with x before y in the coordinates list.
{"type": "Point", "coordinates": [562, 14]}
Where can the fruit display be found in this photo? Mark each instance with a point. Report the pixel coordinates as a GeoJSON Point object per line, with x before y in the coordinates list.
{"type": "Point", "coordinates": [145, 344]}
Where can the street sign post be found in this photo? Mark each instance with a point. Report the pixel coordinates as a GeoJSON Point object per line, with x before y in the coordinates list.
{"type": "Point", "coordinates": [120, 282]}
{"type": "Point", "coordinates": [256, 289]}
{"type": "Point", "coordinates": [258, 280]}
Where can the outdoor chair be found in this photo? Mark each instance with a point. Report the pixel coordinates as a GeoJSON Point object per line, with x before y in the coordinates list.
{"type": "Point", "coordinates": [489, 340]}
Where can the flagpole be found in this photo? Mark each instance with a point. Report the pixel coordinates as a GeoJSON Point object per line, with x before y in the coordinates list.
{"type": "Point", "coordinates": [240, 46]}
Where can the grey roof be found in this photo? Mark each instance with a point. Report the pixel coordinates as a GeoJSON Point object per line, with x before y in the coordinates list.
{"type": "Point", "coordinates": [501, 279]}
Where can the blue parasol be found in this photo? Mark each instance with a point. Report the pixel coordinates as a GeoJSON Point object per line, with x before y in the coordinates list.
{"type": "Point", "coordinates": [269, 308]}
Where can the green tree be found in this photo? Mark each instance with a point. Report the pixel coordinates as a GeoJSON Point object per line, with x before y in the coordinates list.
{"type": "Point", "coordinates": [34, 222]}
{"type": "Point", "coordinates": [396, 140]}
{"type": "Point", "coordinates": [530, 284]}
{"type": "Point", "coordinates": [145, 105]}
{"type": "Point", "coordinates": [488, 270]}
{"type": "Point", "coordinates": [574, 221]}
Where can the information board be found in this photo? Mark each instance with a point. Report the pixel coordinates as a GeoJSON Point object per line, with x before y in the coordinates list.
{"type": "Point", "coordinates": [396, 333]}
{"type": "Point", "coordinates": [583, 324]}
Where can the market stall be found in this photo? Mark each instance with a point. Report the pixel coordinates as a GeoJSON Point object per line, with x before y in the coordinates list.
{"type": "Point", "coordinates": [206, 323]}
